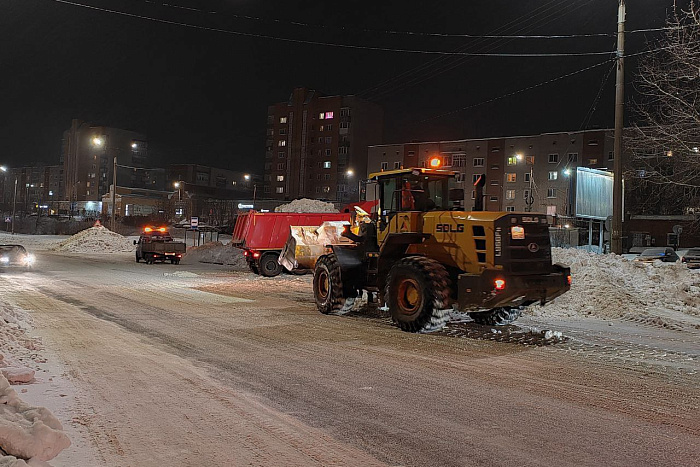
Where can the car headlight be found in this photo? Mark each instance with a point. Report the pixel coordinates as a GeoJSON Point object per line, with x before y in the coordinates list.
{"type": "Point", "coordinates": [29, 259]}
{"type": "Point", "coordinates": [4, 260]}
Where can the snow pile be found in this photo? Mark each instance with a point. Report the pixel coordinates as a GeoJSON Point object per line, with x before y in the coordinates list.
{"type": "Point", "coordinates": [218, 253]}
{"type": "Point", "coordinates": [26, 432]}
{"type": "Point", "coordinates": [306, 205]}
{"type": "Point", "coordinates": [96, 240]}
{"type": "Point", "coordinates": [611, 286]}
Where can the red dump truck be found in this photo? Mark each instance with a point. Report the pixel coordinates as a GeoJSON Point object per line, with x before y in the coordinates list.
{"type": "Point", "coordinates": [262, 235]}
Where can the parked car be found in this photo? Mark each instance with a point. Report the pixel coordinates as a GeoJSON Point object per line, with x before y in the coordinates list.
{"type": "Point", "coordinates": [667, 255]}
{"type": "Point", "coordinates": [15, 255]}
{"type": "Point", "coordinates": [692, 258]}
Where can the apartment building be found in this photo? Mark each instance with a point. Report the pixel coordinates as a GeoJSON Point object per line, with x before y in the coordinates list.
{"type": "Point", "coordinates": [522, 173]}
{"type": "Point", "coordinates": [317, 145]}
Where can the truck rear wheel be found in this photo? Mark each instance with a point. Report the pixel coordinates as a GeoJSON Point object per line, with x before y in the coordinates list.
{"type": "Point", "coordinates": [497, 316]}
{"type": "Point", "coordinates": [269, 266]}
{"type": "Point", "coordinates": [417, 292]}
{"type": "Point", "coordinates": [328, 287]}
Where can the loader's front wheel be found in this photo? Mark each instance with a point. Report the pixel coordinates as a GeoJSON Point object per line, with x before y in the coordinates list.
{"type": "Point", "coordinates": [417, 293]}
{"type": "Point", "coordinates": [328, 287]}
{"type": "Point", "coordinates": [497, 316]}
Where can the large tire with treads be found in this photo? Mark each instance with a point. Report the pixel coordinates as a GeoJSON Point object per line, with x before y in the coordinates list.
{"type": "Point", "coordinates": [497, 316]}
{"type": "Point", "coordinates": [328, 287]}
{"type": "Point", "coordinates": [417, 294]}
{"type": "Point", "coordinates": [269, 266]}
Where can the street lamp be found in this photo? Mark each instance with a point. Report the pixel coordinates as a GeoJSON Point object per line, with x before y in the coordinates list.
{"type": "Point", "coordinates": [350, 173]}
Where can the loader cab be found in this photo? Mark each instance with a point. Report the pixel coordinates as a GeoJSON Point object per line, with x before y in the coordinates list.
{"type": "Point", "coordinates": [416, 190]}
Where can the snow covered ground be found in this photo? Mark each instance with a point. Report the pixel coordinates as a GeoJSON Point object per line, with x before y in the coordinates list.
{"type": "Point", "coordinates": [610, 286]}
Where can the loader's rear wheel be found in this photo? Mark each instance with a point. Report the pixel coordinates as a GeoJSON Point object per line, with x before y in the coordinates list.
{"type": "Point", "coordinates": [497, 316]}
{"type": "Point", "coordinates": [328, 287]}
{"type": "Point", "coordinates": [269, 266]}
{"type": "Point", "coordinates": [417, 293]}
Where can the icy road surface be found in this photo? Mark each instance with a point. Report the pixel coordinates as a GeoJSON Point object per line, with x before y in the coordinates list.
{"type": "Point", "coordinates": [194, 365]}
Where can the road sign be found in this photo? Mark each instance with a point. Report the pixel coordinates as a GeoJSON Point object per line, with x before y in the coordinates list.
{"type": "Point", "coordinates": [194, 222]}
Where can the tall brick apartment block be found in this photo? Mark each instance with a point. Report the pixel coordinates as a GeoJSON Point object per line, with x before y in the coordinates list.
{"type": "Point", "coordinates": [317, 146]}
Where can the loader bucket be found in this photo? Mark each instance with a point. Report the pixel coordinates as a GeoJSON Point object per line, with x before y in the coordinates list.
{"type": "Point", "coordinates": [307, 243]}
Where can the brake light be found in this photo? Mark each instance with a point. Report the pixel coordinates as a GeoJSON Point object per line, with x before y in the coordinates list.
{"type": "Point", "coordinates": [256, 254]}
{"type": "Point", "coordinates": [179, 256]}
{"type": "Point", "coordinates": [245, 253]}
{"type": "Point", "coordinates": [162, 229]}
{"type": "Point", "coordinates": [148, 229]}
{"type": "Point", "coordinates": [435, 162]}
{"type": "Point", "coordinates": [500, 284]}
{"type": "Point", "coordinates": [568, 279]}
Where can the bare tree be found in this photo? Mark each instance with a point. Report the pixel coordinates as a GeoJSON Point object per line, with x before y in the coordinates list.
{"type": "Point", "coordinates": [664, 169]}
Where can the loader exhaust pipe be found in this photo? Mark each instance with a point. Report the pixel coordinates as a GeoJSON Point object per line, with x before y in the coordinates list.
{"type": "Point", "coordinates": [479, 195]}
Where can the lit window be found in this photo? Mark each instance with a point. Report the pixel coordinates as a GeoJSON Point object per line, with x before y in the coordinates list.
{"type": "Point", "coordinates": [478, 162]}
{"type": "Point", "coordinates": [327, 165]}
{"type": "Point", "coordinates": [512, 160]}
{"type": "Point", "coordinates": [553, 175]}
{"type": "Point", "coordinates": [551, 192]}
{"type": "Point", "coordinates": [553, 158]}
{"type": "Point", "coordinates": [329, 115]}
{"type": "Point", "coordinates": [321, 128]}
{"type": "Point", "coordinates": [326, 189]}
{"type": "Point", "coordinates": [510, 194]}
{"type": "Point", "coordinates": [321, 116]}
{"type": "Point", "coordinates": [530, 160]}
{"type": "Point", "coordinates": [280, 189]}
{"type": "Point", "coordinates": [592, 161]}
{"type": "Point", "coordinates": [511, 177]}
{"type": "Point", "coordinates": [280, 178]}
{"type": "Point", "coordinates": [283, 119]}
{"type": "Point", "coordinates": [281, 143]}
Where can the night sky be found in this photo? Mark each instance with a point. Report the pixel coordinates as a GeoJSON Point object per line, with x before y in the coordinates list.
{"type": "Point", "coordinates": [202, 96]}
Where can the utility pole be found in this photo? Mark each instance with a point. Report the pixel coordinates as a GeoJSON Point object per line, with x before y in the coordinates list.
{"type": "Point", "coordinates": [616, 238]}
{"type": "Point", "coordinates": [114, 193]}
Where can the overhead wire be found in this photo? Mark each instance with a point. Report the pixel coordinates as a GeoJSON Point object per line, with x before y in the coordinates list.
{"type": "Point", "coordinates": [373, 92]}
{"type": "Point", "coordinates": [325, 44]}
{"type": "Point", "coordinates": [518, 91]}
{"type": "Point", "coordinates": [548, 18]}
{"type": "Point", "coordinates": [413, 33]}
{"type": "Point", "coordinates": [594, 105]}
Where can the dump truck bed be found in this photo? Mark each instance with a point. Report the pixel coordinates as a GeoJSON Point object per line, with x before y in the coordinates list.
{"type": "Point", "coordinates": [270, 230]}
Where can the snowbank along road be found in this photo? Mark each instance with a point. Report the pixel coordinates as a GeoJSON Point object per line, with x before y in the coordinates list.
{"type": "Point", "coordinates": [199, 365]}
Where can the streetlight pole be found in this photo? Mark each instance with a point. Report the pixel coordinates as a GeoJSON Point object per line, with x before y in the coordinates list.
{"type": "Point", "coordinates": [616, 237]}
{"type": "Point", "coordinates": [14, 207]}
{"type": "Point", "coordinates": [114, 194]}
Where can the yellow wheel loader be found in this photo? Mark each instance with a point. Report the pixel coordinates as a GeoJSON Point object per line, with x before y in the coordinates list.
{"type": "Point", "coordinates": [423, 255]}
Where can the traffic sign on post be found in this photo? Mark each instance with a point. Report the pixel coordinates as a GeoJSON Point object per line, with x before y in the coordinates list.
{"type": "Point", "coordinates": [194, 222]}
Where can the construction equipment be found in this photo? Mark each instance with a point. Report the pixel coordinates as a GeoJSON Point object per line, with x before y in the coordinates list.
{"type": "Point", "coordinates": [262, 236]}
{"type": "Point", "coordinates": [422, 254]}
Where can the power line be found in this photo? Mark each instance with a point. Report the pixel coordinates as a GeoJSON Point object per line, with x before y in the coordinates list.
{"type": "Point", "coordinates": [328, 44]}
{"type": "Point", "coordinates": [503, 96]}
{"type": "Point", "coordinates": [417, 33]}
{"type": "Point", "coordinates": [594, 105]}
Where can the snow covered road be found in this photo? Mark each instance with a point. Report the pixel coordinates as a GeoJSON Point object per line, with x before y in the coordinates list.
{"type": "Point", "coordinates": [195, 365]}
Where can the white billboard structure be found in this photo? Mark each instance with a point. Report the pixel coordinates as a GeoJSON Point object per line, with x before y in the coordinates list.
{"type": "Point", "coordinates": [594, 193]}
{"type": "Point", "coordinates": [594, 199]}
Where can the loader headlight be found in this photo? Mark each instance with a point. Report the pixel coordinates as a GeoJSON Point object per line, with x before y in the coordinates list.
{"type": "Point", "coordinates": [29, 260]}
{"type": "Point", "coordinates": [4, 260]}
